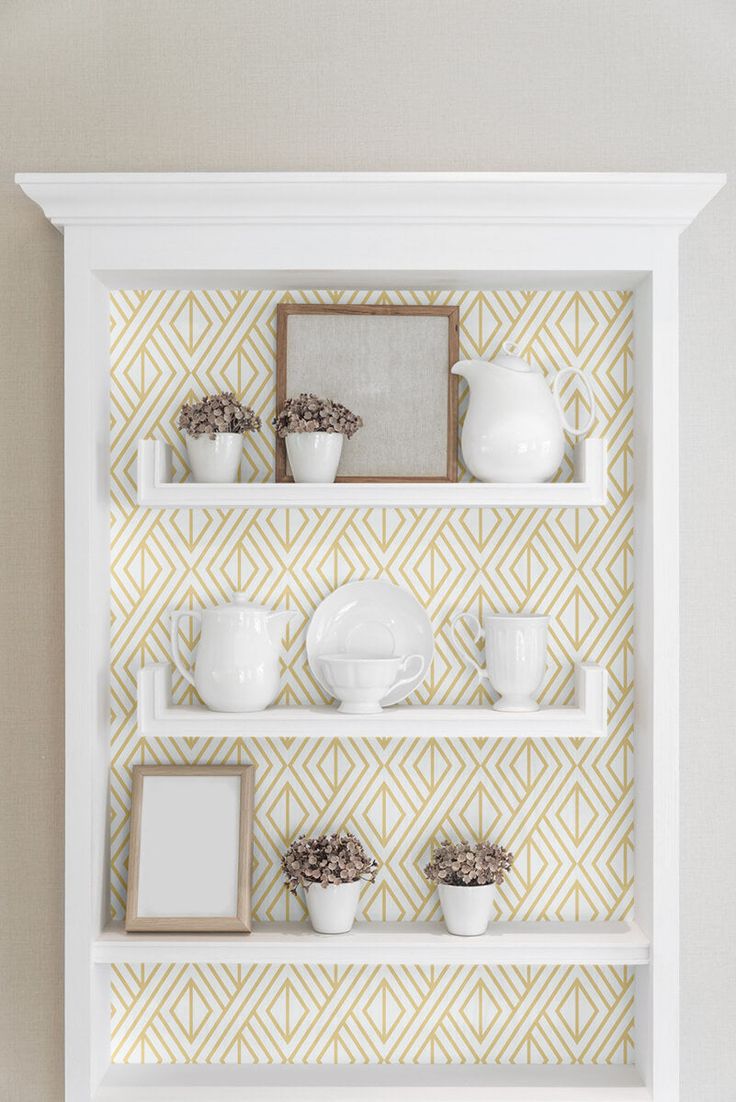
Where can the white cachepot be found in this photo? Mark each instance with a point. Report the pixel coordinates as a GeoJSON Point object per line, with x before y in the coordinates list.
{"type": "Point", "coordinates": [314, 456]}
{"type": "Point", "coordinates": [332, 908]}
{"type": "Point", "coordinates": [215, 460]}
{"type": "Point", "coordinates": [466, 910]}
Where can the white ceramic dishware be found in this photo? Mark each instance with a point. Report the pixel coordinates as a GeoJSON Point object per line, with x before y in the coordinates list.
{"type": "Point", "coordinates": [372, 619]}
{"type": "Point", "coordinates": [516, 656]}
{"type": "Point", "coordinates": [332, 907]}
{"type": "Point", "coordinates": [236, 668]}
{"type": "Point", "coordinates": [216, 460]}
{"type": "Point", "coordinates": [314, 456]}
{"type": "Point", "coordinates": [360, 684]}
{"type": "Point", "coordinates": [513, 431]}
{"type": "Point", "coordinates": [466, 909]}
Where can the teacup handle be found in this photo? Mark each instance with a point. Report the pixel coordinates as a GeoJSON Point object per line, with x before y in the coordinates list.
{"type": "Point", "coordinates": [175, 617]}
{"type": "Point", "coordinates": [410, 676]}
{"type": "Point", "coordinates": [478, 634]}
{"type": "Point", "coordinates": [556, 392]}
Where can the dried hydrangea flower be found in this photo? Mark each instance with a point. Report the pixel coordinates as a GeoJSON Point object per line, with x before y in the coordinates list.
{"type": "Point", "coordinates": [217, 413]}
{"type": "Point", "coordinates": [308, 413]}
{"type": "Point", "coordinates": [329, 859]}
{"type": "Point", "coordinates": [465, 864]}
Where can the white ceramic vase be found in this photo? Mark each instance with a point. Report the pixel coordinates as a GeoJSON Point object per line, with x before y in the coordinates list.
{"type": "Point", "coordinates": [215, 460]}
{"type": "Point", "coordinates": [314, 456]}
{"type": "Point", "coordinates": [332, 908]}
{"type": "Point", "coordinates": [466, 910]}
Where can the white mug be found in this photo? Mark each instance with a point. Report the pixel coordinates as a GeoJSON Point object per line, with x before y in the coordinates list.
{"type": "Point", "coordinates": [516, 657]}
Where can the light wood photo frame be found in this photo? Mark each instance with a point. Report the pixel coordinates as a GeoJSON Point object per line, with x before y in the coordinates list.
{"type": "Point", "coordinates": [391, 366]}
{"type": "Point", "coordinates": [191, 844]}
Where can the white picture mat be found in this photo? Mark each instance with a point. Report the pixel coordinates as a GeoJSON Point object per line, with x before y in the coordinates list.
{"type": "Point", "coordinates": [189, 846]}
{"type": "Point", "coordinates": [391, 370]}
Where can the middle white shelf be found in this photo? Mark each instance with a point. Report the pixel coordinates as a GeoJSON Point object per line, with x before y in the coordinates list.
{"type": "Point", "coordinates": [159, 717]}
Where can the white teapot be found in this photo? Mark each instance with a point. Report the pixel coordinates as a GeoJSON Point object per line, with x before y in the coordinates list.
{"type": "Point", "coordinates": [236, 668]}
{"type": "Point", "coordinates": [513, 430]}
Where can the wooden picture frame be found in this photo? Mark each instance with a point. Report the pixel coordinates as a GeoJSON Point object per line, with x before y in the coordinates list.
{"type": "Point", "coordinates": [312, 372]}
{"type": "Point", "coordinates": [174, 841]}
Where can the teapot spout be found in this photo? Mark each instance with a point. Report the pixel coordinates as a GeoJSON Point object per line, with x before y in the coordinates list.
{"type": "Point", "coordinates": [467, 369]}
{"type": "Point", "coordinates": [277, 621]}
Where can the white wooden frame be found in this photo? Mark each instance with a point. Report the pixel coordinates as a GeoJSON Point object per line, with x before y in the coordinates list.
{"type": "Point", "coordinates": [371, 230]}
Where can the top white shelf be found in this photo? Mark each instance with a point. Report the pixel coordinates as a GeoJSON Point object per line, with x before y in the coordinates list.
{"type": "Point", "coordinates": [157, 491]}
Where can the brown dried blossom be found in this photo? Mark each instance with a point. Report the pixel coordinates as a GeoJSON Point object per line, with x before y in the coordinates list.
{"type": "Point", "coordinates": [308, 413]}
{"type": "Point", "coordinates": [329, 859]}
{"type": "Point", "coordinates": [463, 864]}
{"type": "Point", "coordinates": [217, 413]}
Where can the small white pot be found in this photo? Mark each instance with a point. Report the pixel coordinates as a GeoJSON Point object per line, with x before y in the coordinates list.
{"type": "Point", "coordinates": [466, 910]}
{"type": "Point", "coordinates": [215, 460]}
{"type": "Point", "coordinates": [314, 456]}
{"type": "Point", "coordinates": [332, 908]}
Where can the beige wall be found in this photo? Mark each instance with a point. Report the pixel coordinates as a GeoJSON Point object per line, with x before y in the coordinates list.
{"type": "Point", "coordinates": [343, 84]}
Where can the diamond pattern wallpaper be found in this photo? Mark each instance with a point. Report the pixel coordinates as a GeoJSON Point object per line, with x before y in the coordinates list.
{"type": "Point", "coordinates": [166, 1013]}
{"type": "Point", "coordinates": [564, 807]}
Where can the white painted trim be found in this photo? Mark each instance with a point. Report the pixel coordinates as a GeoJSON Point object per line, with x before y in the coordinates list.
{"type": "Point", "coordinates": [159, 718]}
{"type": "Point", "coordinates": [157, 491]}
{"type": "Point", "coordinates": [335, 198]}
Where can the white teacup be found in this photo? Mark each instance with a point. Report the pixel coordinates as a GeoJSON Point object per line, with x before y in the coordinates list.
{"type": "Point", "coordinates": [516, 657]}
{"type": "Point", "coordinates": [360, 684]}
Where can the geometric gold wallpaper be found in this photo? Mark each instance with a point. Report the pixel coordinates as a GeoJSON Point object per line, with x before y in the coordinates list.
{"type": "Point", "coordinates": [565, 807]}
{"type": "Point", "coordinates": [198, 1013]}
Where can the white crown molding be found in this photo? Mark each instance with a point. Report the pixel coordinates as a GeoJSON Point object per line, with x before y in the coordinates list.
{"type": "Point", "coordinates": [335, 198]}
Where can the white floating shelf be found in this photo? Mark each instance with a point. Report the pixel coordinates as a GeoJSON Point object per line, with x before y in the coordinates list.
{"type": "Point", "coordinates": [371, 1083]}
{"type": "Point", "coordinates": [420, 943]}
{"type": "Point", "coordinates": [158, 717]}
{"type": "Point", "coordinates": [157, 491]}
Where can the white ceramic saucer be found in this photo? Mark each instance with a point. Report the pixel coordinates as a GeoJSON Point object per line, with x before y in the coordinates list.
{"type": "Point", "coordinates": [371, 620]}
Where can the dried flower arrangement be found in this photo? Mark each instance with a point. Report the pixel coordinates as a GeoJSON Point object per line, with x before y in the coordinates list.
{"type": "Point", "coordinates": [216, 413]}
{"type": "Point", "coordinates": [465, 864]}
{"type": "Point", "coordinates": [308, 413]}
{"type": "Point", "coordinates": [329, 859]}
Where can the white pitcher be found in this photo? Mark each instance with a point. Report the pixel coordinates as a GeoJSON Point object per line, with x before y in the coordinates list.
{"type": "Point", "coordinates": [513, 431]}
{"type": "Point", "coordinates": [236, 668]}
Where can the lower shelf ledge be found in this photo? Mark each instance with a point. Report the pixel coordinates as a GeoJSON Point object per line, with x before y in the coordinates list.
{"type": "Point", "coordinates": [158, 717]}
{"type": "Point", "coordinates": [408, 943]}
{"type": "Point", "coordinates": [372, 1083]}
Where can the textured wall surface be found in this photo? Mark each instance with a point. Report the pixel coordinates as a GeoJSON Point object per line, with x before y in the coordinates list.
{"type": "Point", "coordinates": [341, 84]}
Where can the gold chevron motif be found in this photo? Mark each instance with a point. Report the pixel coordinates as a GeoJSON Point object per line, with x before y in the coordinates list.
{"type": "Point", "coordinates": [564, 807]}
{"type": "Point", "coordinates": [216, 1014]}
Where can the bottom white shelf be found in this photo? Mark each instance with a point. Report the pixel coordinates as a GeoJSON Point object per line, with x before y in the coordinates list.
{"type": "Point", "coordinates": [371, 1083]}
{"type": "Point", "coordinates": [421, 943]}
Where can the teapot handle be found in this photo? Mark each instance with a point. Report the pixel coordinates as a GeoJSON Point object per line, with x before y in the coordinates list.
{"type": "Point", "coordinates": [556, 393]}
{"type": "Point", "coordinates": [174, 639]}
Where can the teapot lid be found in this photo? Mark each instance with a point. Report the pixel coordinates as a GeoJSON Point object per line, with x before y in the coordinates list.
{"type": "Point", "coordinates": [240, 601]}
{"type": "Point", "coordinates": [510, 359]}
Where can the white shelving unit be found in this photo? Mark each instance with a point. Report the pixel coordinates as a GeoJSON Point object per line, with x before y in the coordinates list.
{"type": "Point", "coordinates": [159, 718]}
{"type": "Point", "coordinates": [372, 230]}
{"type": "Point", "coordinates": [422, 943]}
{"type": "Point", "coordinates": [157, 491]}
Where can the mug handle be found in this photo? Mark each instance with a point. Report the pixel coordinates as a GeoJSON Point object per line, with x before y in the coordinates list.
{"type": "Point", "coordinates": [174, 618]}
{"type": "Point", "coordinates": [410, 676]}
{"type": "Point", "coordinates": [478, 634]}
{"type": "Point", "coordinates": [556, 393]}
